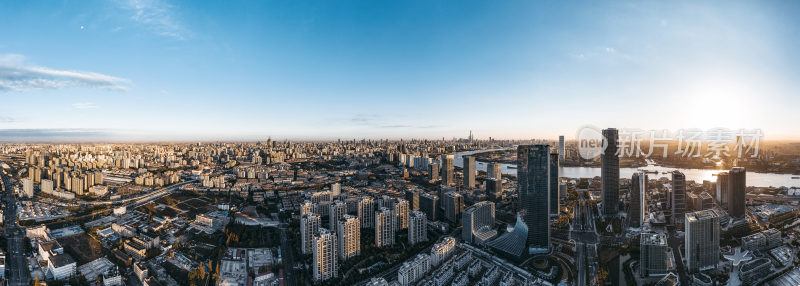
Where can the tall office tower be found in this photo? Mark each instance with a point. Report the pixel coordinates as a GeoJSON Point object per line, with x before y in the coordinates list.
{"type": "Point", "coordinates": [469, 171]}
{"type": "Point", "coordinates": [429, 204]}
{"type": "Point", "coordinates": [493, 171]}
{"type": "Point", "coordinates": [433, 172]}
{"type": "Point", "coordinates": [554, 165]}
{"type": "Point", "coordinates": [478, 223]}
{"type": "Point", "coordinates": [417, 227]}
{"type": "Point", "coordinates": [349, 236]}
{"type": "Point", "coordinates": [336, 211]}
{"type": "Point", "coordinates": [447, 170]}
{"type": "Point", "coordinates": [27, 187]}
{"type": "Point", "coordinates": [384, 227]}
{"type": "Point", "coordinates": [366, 212]}
{"type": "Point", "coordinates": [533, 173]}
{"type": "Point", "coordinates": [306, 208]}
{"type": "Point", "coordinates": [653, 254]}
{"type": "Point", "coordinates": [562, 151]}
{"type": "Point", "coordinates": [309, 225]}
{"type": "Point", "coordinates": [678, 195]}
{"type": "Point", "coordinates": [494, 189]}
{"type": "Point", "coordinates": [47, 186]}
{"type": "Point", "coordinates": [737, 180]}
{"type": "Point", "coordinates": [336, 189]}
{"type": "Point", "coordinates": [702, 240]}
{"type": "Point", "coordinates": [722, 189]}
{"type": "Point", "coordinates": [609, 172]}
{"type": "Point", "coordinates": [453, 206]}
{"type": "Point", "coordinates": [638, 211]}
{"type": "Point", "coordinates": [400, 209]}
{"type": "Point", "coordinates": [325, 260]}
{"type": "Point", "coordinates": [412, 196]}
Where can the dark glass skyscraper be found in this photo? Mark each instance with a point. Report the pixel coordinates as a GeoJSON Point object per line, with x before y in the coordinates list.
{"type": "Point", "coordinates": [609, 172]}
{"type": "Point", "coordinates": [533, 173]}
{"type": "Point", "coordinates": [736, 187]}
{"type": "Point", "coordinates": [678, 196]}
{"type": "Point", "coordinates": [469, 171]}
{"type": "Point", "coordinates": [554, 163]}
{"type": "Point", "coordinates": [638, 211]}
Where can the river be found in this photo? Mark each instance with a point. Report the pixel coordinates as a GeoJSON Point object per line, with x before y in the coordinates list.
{"type": "Point", "coordinates": [698, 175]}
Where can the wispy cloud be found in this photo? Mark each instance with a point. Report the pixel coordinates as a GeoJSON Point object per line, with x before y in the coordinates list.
{"type": "Point", "coordinates": [84, 105]}
{"type": "Point", "coordinates": [7, 119]}
{"type": "Point", "coordinates": [157, 16]}
{"type": "Point", "coordinates": [16, 75]}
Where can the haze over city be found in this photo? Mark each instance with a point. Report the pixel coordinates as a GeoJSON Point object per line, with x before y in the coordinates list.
{"type": "Point", "coordinates": [162, 70]}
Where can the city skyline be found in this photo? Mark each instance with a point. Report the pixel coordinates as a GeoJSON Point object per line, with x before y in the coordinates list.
{"type": "Point", "coordinates": [166, 71]}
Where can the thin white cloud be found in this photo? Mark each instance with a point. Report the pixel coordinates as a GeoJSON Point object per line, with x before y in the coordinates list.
{"type": "Point", "coordinates": [84, 105]}
{"type": "Point", "coordinates": [16, 75]}
{"type": "Point", "coordinates": [157, 16]}
{"type": "Point", "coordinates": [7, 119]}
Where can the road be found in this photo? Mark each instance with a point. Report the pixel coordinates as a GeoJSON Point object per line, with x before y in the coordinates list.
{"type": "Point", "coordinates": [675, 242]}
{"type": "Point", "coordinates": [17, 265]}
{"type": "Point", "coordinates": [287, 255]}
{"type": "Point", "coordinates": [582, 231]}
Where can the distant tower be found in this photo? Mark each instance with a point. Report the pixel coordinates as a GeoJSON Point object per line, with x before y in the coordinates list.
{"type": "Point", "coordinates": [609, 172]}
{"type": "Point", "coordinates": [737, 180]}
{"type": "Point", "coordinates": [562, 151]}
{"type": "Point", "coordinates": [533, 173]}
{"type": "Point", "coordinates": [470, 136]}
{"type": "Point", "coordinates": [469, 171]}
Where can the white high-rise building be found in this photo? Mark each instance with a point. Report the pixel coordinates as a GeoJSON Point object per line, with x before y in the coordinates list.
{"type": "Point", "coordinates": [336, 189]}
{"type": "Point", "coordinates": [702, 240]}
{"type": "Point", "coordinates": [336, 211]}
{"type": "Point", "coordinates": [478, 223]}
{"type": "Point", "coordinates": [325, 261]}
{"type": "Point", "coordinates": [413, 270]}
{"type": "Point", "coordinates": [27, 187]}
{"type": "Point", "coordinates": [349, 235]}
{"type": "Point", "coordinates": [46, 186]}
{"type": "Point", "coordinates": [384, 227]}
{"type": "Point", "coordinates": [442, 250]}
{"type": "Point", "coordinates": [309, 225]}
{"type": "Point", "coordinates": [417, 227]}
{"type": "Point", "coordinates": [400, 209]}
{"type": "Point", "coordinates": [366, 212]}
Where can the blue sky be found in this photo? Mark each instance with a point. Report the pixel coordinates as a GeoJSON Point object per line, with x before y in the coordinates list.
{"type": "Point", "coordinates": [192, 70]}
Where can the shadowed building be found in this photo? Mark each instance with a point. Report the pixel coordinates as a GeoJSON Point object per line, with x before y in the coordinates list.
{"type": "Point", "coordinates": [609, 173]}
{"type": "Point", "coordinates": [533, 173]}
{"type": "Point", "coordinates": [736, 185]}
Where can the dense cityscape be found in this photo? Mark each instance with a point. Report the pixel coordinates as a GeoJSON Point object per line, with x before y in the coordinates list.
{"type": "Point", "coordinates": [399, 143]}
{"type": "Point", "coordinates": [382, 212]}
